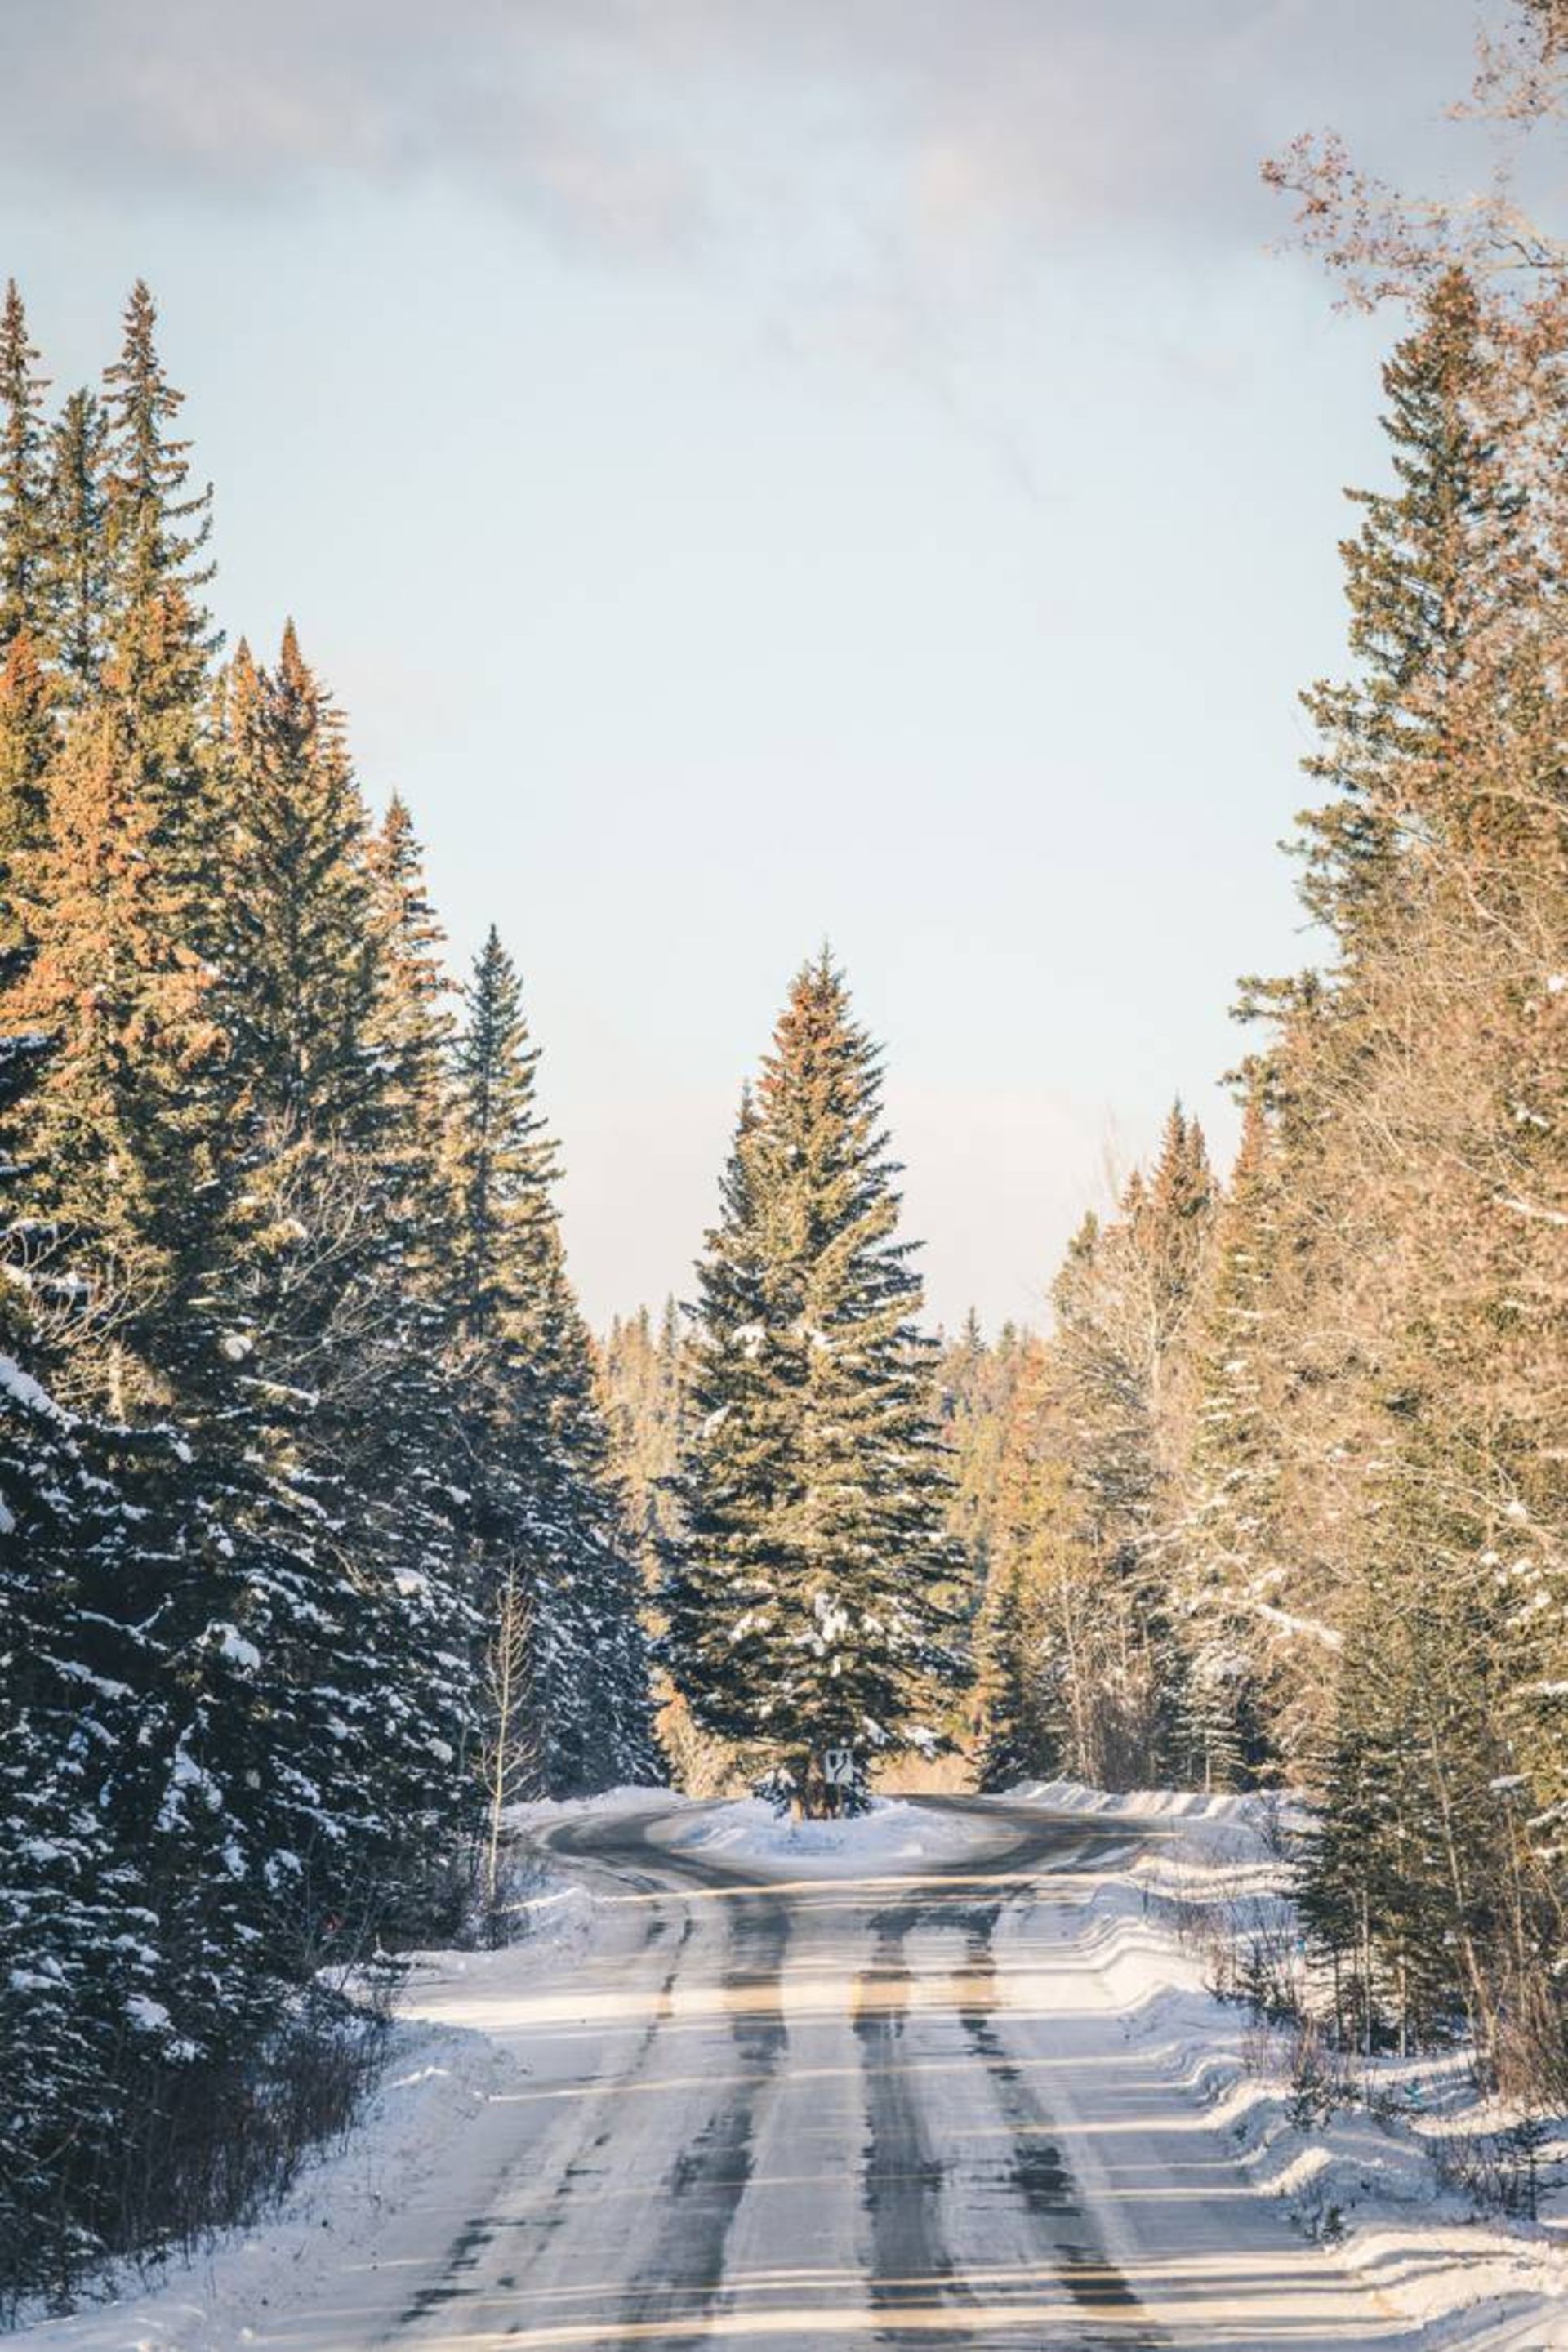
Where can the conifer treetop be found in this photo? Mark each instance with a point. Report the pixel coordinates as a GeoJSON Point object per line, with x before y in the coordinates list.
{"type": "Point", "coordinates": [811, 1602]}
{"type": "Point", "coordinates": [159, 528]}
{"type": "Point", "coordinates": [24, 478]}
{"type": "Point", "coordinates": [76, 550]}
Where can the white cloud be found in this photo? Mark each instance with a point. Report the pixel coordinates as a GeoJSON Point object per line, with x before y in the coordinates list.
{"type": "Point", "coordinates": [638, 122]}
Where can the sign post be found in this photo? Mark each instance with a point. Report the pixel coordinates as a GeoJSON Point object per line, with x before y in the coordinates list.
{"type": "Point", "coordinates": [839, 1772]}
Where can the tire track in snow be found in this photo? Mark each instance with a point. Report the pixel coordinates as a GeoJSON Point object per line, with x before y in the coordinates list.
{"type": "Point", "coordinates": [460, 2276]}
{"type": "Point", "coordinates": [1039, 2171]}
{"type": "Point", "coordinates": [683, 2277]}
{"type": "Point", "coordinates": [901, 2175]}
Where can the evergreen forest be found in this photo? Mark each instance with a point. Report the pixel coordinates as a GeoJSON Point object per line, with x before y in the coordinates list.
{"type": "Point", "coordinates": [330, 1533]}
{"type": "Point", "coordinates": [312, 1560]}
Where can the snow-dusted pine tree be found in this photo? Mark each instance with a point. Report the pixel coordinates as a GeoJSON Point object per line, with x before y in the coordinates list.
{"type": "Point", "coordinates": [537, 1451]}
{"type": "Point", "coordinates": [332, 1332]}
{"type": "Point", "coordinates": [81, 1955]}
{"type": "Point", "coordinates": [813, 1599]}
{"type": "Point", "coordinates": [1228, 1556]}
{"type": "Point", "coordinates": [24, 481]}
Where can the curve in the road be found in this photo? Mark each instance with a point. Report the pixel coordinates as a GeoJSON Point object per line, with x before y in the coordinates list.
{"type": "Point", "coordinates": [812, 2112]}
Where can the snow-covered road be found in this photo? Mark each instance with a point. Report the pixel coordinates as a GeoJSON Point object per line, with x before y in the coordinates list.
{"type": "Point", "coordinates": [942, 2075]}
{"type": "Point", "coordinates": [768, 2101]}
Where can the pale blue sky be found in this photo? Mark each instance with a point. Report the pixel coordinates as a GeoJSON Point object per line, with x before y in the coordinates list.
{"type": "Point", "coordinates": [762, 469]}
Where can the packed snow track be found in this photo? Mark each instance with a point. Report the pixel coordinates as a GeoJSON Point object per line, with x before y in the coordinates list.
{"type": "Point", "coordinates": [764, 2103]}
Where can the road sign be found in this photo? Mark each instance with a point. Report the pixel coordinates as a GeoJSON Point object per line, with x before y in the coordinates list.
{"type": "Point", "coordinates": [838, 1767]}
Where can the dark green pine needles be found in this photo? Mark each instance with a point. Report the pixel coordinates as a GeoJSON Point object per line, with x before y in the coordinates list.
{"type": "Point", "coordinates": [813, 1600]}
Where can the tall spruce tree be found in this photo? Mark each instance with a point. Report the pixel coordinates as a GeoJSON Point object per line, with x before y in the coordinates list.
{"type": "Point", "coordinates": [331, 1318]}
{"type": "Point", "coordinates": [159, 526]}
{"type": "Point", "coordinates": [1421, 578]}
{"type": "Point", "coordinates": [537, 1442]}
{"type": "Point", "coordinates": [160, 634]}
{"type": "Point", "coordinates": [813, 1599]}
{"type": "Point", "coordinates": [25, 604]}
{"type": "Point", "coordinates": [27, 728]}
{"type": "Point", "coordinates": [1229, 1552]}
{"type": "Point", "coordinates": [78, 552]}
{"type": "Point", "coordinates": [298, 901]}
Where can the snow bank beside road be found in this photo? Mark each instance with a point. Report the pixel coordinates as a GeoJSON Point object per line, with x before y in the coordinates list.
{"type": "Point", "coordinates": [342, 2215]}
{"type": "Point", "coordinates": [1371, 2161]}
{"type": "Point", "coordinates": [347, 2212]}
{"type": "Point", "coordinates": [893, 1839]}
{"type": "Point", "coordinates": [1186, 1805]}
{"type": "Point", "coordinates": [631, 1799]}
{"type": "Point", "coordinates": [1366, 2181]}
{"type": "Point", "coordinates": [892, 1836]}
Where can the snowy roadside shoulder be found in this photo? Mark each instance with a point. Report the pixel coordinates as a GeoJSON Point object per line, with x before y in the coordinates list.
{"type": "Point", "coordinates": [544, 1918]}
{"type": "Point", "coordinates": [343, 2208]}
{"type": "Point", "coordinates": [1141, 1804]}
{"type": "Point", "coordinates": [544, 1911]}
{"type": "Point", "coordinates": [632, 1798]}
{"type": "Point", "coordinates": [892, 1839]}
{"type": "Point", "coordinates": [346, 2207]}
{"type": "Point", "coordinates": [1422, 2188]}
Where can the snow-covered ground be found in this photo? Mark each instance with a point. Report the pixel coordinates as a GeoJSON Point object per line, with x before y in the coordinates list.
{"type": "Point", "coordinates": [1373, 2174]}
{"type": "Point", "coordinates": [344, 2213]}
{"type": "Point", "coordinates": [893, 1837]}
{"type": "Point", "coordinates": [347, 2214]}
{"type": "Point", "coordinates": [993, 2038]}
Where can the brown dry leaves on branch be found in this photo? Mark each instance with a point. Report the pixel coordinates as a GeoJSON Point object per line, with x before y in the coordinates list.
{"type": "Point", "coordinates": [1382, 245]}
